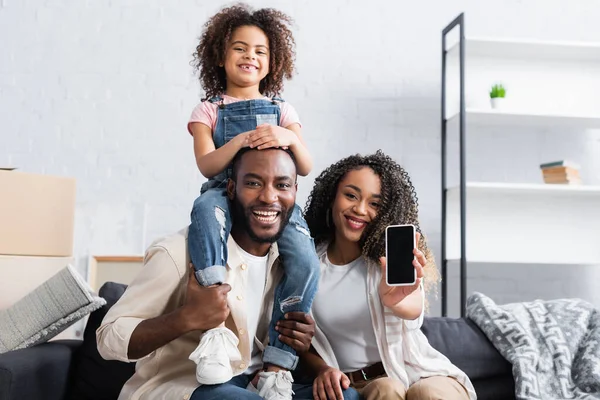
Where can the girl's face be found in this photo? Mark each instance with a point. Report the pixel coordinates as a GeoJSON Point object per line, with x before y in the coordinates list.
{"type": "Point", "coordinates": [247, 57]}
{"type": "Point", "coordinates": [356, 204]}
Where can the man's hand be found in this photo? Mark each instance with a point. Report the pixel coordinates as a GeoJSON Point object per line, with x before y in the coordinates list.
{"type": "Point", "coordinates": [296, 330]}
{"type": "Point", "coordinates": [204, 308]}
{"type": "Point", "coordinates": [329, 384]}
{"type": "Point", "coordinates": [267, 136]}
{"type": "Point", "coordinates": [392, 295]}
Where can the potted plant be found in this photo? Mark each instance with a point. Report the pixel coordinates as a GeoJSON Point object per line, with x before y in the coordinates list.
{"type": "Point", "coordinates": [497, 94]}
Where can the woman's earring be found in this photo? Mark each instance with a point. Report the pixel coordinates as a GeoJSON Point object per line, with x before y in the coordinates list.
{"type": "Point", "coordinates": [327, 222]}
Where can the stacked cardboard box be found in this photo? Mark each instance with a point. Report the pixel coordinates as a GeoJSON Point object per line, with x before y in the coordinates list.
{"type": "Point", "coordinates": [37, 214]}
{"type": "Point", "coordinates": [561, 172]}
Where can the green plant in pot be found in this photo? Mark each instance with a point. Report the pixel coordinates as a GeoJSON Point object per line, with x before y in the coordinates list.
{"type": "Point", "coordinates": [497, 95]}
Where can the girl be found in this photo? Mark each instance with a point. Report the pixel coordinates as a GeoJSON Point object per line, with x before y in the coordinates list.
{"type": "Point", "coordinates": [243, 58]}
{"type": "Point", "coordinates": [367, 333]}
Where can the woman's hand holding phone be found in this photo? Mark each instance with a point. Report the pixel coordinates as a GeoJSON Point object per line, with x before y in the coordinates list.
{"type": "Point", "coordinates": [392, 295]}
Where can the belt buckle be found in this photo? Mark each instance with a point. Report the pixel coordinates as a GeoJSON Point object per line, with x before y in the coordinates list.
{"type": "Point", "coordinates": [362, 371]}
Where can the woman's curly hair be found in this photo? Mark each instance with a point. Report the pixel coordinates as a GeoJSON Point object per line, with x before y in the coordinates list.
{"type": "Point", "coordinates": [398, 205]}
{"type": "Point", "coordinates": [210, 52]}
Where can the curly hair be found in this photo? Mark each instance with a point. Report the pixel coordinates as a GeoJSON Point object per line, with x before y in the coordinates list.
{"type": "Point", "coordinates": [210, 52]}
{"type": "Point", "coordinates": [399, 205]}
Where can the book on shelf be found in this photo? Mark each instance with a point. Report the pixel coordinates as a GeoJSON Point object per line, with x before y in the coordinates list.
{"type": "Point", "coordinates": [559, 163]}
{"type": "Point", "coordinates": [569, 181]}
{"type": "Point", "coordinates": [560, 171]}
{"type": "Point", "coordinates": [563, 171]}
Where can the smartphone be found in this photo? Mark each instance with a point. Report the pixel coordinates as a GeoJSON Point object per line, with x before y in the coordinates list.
{"type": "Point", "coordinates": [400, 242]}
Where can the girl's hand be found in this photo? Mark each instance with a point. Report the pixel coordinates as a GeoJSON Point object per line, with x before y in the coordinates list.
{"type": "Point", "coordinates": [267, 136]}
{"type": "Point", "coordinates": [392, 295]}
{"type": "Point", "coordinates": [329, 384]}
{"type": "Point", "coordinates": [243, 139]}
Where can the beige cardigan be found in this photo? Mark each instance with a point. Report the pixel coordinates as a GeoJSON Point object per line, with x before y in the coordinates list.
{"type": "Point", "coordinates": [167, 373]}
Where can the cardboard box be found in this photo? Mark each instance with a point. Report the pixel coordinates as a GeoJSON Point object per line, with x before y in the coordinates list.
{"type": "Point", "coordinates": [19, 275]}
{"type": "Point", "coordinates": [37, 214]}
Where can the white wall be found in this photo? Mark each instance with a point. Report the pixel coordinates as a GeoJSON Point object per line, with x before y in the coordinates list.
{"type": "Point", "coordinates": [101, 90]}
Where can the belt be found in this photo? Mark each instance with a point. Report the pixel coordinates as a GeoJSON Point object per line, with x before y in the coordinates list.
{"type": "Point", "coordinates": [367, 373]}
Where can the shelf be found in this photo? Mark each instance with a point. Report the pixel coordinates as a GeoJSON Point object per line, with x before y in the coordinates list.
{"type": "Point", "coordinates": [524, 261]}
{"type": "Point", "coordinates": [521, 223]}
{"type": "Point", "coordinates": [528, 50]}
{"type": "Point", "coordinates": [526, 223]}
{"type": "Point", "coordinates": [540, 120]}
{"type": "Point", "coordinates": [542, 189]}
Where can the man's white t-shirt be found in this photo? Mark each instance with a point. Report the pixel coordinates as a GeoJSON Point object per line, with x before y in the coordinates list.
{"type": "Point", "coordinates": [341, 306]}
{"type": "Point", "coordinates": [256, 274]}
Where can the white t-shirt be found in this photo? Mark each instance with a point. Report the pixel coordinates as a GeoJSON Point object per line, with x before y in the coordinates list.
{"type": "Point", "coordinates": [256, 275]}
{"type": "Point", "coordinates": [341, 306]}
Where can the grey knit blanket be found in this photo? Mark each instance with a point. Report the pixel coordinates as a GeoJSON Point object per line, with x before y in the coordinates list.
{"type": "Point", "coordinates": [553, 346]}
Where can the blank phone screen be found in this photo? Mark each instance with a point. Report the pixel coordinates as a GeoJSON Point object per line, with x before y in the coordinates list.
{"type": "Point", "coordinates": [400, 246]}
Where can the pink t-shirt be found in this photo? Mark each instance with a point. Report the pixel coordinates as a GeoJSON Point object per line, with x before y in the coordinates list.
{"type": "Point", "coordinates": [206, 113]}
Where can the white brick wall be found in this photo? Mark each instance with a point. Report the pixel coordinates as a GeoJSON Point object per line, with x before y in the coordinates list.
{"type": "Point", "coordinates": [101, 90]}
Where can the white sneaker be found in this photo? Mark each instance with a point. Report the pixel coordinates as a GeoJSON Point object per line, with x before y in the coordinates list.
{"type": "Point", "coordinates": [275, 385]}
{"type": "Point", "coordinates": [213, 356]}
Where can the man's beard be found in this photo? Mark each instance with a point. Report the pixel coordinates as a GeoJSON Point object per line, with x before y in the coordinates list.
{"type": "Point", "coordinates": [242, 217]}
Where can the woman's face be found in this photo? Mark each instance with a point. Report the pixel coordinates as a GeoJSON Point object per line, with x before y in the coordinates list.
{"type": "Point", "coordinates": [356, 204]}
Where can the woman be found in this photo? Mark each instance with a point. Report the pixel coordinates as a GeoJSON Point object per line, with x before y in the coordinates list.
{"type": "Point", "coordinates": [367, 333]}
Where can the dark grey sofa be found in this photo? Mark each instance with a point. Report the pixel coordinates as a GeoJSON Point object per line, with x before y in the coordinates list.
{"type": "Point", "coordinates": [65, 370]}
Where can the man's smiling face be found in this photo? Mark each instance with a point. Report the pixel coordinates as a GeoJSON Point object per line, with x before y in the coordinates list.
{"type": "Point", "coordinates": [263, 193]}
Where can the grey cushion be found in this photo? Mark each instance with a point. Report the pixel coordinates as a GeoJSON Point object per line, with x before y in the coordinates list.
{"type": "Point", "coordinates": [466, 346]}
{"type": "Point", "coordinates": [49, 309]}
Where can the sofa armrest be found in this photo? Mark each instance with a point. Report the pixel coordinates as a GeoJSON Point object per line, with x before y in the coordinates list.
{"type": "Point", "coordinates": [466, 346]}
{"type": "Point", "coordinates": [39, 372]}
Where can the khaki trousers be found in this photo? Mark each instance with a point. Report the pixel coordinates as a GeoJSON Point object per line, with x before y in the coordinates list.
{"type": "Point", "coordinates": [432, 388]}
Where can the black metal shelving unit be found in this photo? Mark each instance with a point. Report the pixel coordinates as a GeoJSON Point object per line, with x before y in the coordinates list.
{"type": "Point", "coordinates": [458, 23]}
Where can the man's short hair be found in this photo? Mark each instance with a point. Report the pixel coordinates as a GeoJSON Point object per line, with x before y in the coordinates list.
{"type": "Point", "coordinates": [235, 163]}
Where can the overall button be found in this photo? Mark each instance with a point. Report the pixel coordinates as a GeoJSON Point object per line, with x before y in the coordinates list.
{"type": "Point", "coordinates": [240, 297]}
{"type": "Point", "coordinates": [243, 267]}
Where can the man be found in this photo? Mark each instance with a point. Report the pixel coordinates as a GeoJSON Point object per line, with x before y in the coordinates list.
{"type": "Point", "coordinates": [160, 317]}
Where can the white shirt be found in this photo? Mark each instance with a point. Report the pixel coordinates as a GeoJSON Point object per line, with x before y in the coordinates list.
{"type": "Point", "coordinates": [256, 273]}
{"type": "Point", "coordinates": [405, 352]}
{"type": "Point", "coordinates": [342, 308]}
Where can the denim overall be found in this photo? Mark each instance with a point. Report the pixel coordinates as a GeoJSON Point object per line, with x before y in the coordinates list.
{"type": "Point", "coordinates": [211, 224]}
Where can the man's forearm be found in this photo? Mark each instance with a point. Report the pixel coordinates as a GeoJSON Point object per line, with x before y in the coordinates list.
{"type": "Point", "coordinates": [153, 333]}
{"type": "Point", "coordinates": [311, 363]}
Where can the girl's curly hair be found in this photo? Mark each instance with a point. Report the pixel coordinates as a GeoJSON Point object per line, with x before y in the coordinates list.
{"type": "Point", "coordinates": [210, 52]}
{"type": "Point", "coordinates": [399, 205]}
